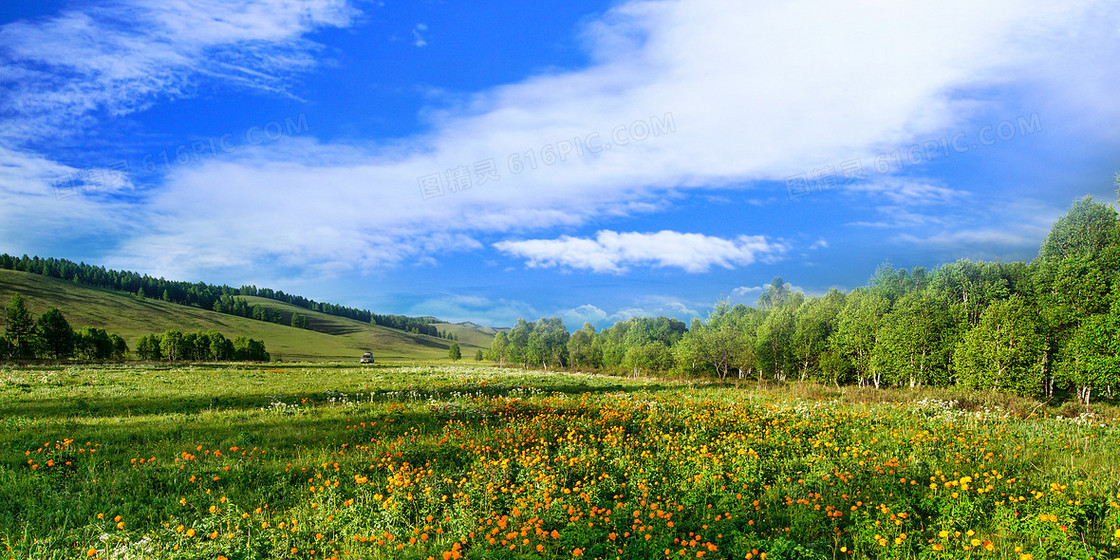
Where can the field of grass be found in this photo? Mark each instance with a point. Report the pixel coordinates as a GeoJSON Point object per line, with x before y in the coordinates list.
{"type": "Point", "coordinates": [466, 461]}
{"type": "Point", "coordinates": [333, 338]}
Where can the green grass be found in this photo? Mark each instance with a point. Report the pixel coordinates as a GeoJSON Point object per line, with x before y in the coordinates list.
{"type": "Point", "coordinates": [411, 461]}
{"type": "Point", "coordinates": [333, 338]}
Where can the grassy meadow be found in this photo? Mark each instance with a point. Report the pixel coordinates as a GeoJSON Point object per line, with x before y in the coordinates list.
{"type": "Point", "coordinates": [467, 461]}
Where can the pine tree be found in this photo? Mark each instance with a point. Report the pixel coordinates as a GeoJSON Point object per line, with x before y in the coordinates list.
{"type": "Point", "coordinates": [20, 331]}
{"type": "Point", "coordinates": [57, 335]}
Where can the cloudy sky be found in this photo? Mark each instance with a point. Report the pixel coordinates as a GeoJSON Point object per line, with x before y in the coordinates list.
{"type": "Point", "coordinates": [590, 159]}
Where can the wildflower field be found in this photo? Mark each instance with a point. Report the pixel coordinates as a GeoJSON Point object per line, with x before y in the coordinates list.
{"type": "Point", "coordinates": [442, 461]}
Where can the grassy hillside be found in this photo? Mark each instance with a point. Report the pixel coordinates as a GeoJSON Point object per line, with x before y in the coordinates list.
{"type": "Point", "coordinates": [468, 334]}
{"type": "Point", "coordinates": [330, 337]}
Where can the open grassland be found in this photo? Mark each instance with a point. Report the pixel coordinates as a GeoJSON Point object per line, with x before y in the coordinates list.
{"type": "Point", "coordinates": [439, 461]}
{"type": "Point", "coordinates": [332, 338]}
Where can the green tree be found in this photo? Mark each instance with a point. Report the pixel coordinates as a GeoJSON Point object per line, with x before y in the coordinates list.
{"type": "Point", "coordinates": [857, 329]}
{"type": "Point", "coordinates": [189, 348]}
{"type": "Point", "coordinates": [499, 349]}
{"type": "Point", "coordinates": [1091, 359]}
{"type": "Point", "coordinates": [651, 356]}
{"type": "Point", "coordinates": [518, 342]}
{"type": "Point", "coordinates": [813, 325]}
{"type": "Point", "coordinates": [120, 348]}
{"type": "Point", "coordinates": [454, 352]}
{"type": "Point", "coordinates": [969, 287]}
{"type": "Point", "coordinates": [893, 284]}
{"type": "Point", "coordinates": [722, 344]}
{"type": "Point", "coordinates": [612, 344]}
{"type": "Point", "coordinates": [1077, 264]}
{"type": "Point", "coordinates": [149, 347]}
{"type": "Point", "coordinates": [1005, 351]}
{"type": "Point", "coordinates": [583, 350]}
{"type": "Point", "coordinates": [687, 353]}
{"type": "Point", "coordinates": [915, 341]}
{"type": "Point", "coordinates": [478, 355]}
{"type": "Point", "coordinates": [774, 339]}
{"type": "Point", "coordinates": [249, 350]}
{"type": "Point", "coordinates": [56, 334]}
{"type": "Point", "coordinates": [548, 342]}
{"type": "Point", "coordinates": [774, 295]}
{"type": "Point", "coordinates": [170, 345]}
{"type": "Point", "coordinates": [221, 348]}
{"type": "Point", "coordinates": [94, 344]}
{"type": "Point", "coordinates": [1075, 270]}
{"type": "Point", "coordinates": [836, 368]}
{"type": "Point", "coordinates": [20, 330]}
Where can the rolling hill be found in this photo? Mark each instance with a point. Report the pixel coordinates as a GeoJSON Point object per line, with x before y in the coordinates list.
{"type": "Point", "coordinates": [328, 338]}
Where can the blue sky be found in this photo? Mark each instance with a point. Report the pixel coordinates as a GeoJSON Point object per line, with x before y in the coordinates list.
{"type": "Point", "coordinates": [595, 160]}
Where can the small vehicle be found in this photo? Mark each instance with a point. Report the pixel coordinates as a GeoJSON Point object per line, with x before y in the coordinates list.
{"type": "Point", "coordinates": [367, 358]}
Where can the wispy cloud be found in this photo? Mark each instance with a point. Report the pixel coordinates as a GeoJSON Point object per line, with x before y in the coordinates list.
{"type": "Point", "coordinates": [418, 39]}
{"type": "Point", "coordinates": [650, 306]}
{"type": "Point", "coordinates": [110, 59]}
{"type": "Point", "coordinates": [615, 252]}
{"type": "Point", "coordinates": [909, 192]}
{"type": "Point", "coordinates": [749, 101]}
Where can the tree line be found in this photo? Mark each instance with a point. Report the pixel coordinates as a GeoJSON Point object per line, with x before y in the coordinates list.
{"type": "Point", "coordinates": [51, 337]}
{"type": "Point", "coordinates": [200, 346]}
{"type": "Point", "coordinates": [1028, 328]}
{"type": "Point", "coordinates": [206, 296]}
{"type": "Point", "coordinates": [232, 305]}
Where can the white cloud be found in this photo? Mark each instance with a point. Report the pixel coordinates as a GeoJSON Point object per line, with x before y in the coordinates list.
{"type": "Point", "coordinates": [980, 243]}
{"type": "Point", "coordinates": [586, 313]}
{"type": "Point", "coordinates": [123, 57]}
{"type": "Point", "coordinates": [909, 192]}
{"type": "Point", "coordinates": [976, 227]}
{"type": "Point", "coordinates": [749, 294]}
{"type": "Point", "coordinates": [615, 252]}
{"type": "Point", "coordinates": [417, 39]}
{"type": "Point", "coordinates": [748, 290]}
{"type": "Point", "coordinates": [753, 91]}
{"type": "Point", "coordinates": [650, 306]}
{"type": "Point", "coordinates": [47, 204]}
